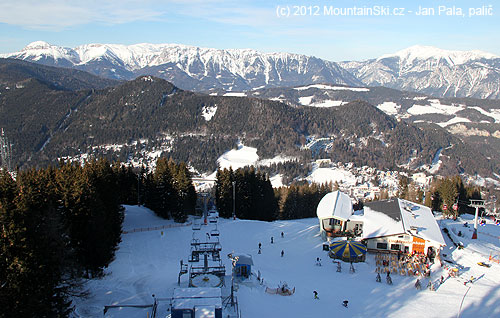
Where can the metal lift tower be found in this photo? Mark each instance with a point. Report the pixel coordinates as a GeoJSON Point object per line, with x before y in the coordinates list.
{"type": "Point", "coordinates": [5, 152]}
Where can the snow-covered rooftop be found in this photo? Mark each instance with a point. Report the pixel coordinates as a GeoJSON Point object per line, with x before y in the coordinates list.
{"type": "Point", "coordinates": [376, 223]}
{"type": "Point", "coordinates": [335, 204]}
{"type": "Point", "coordinates": [383, 218]}
{"type": "Point", "coordinates": [398, 216]}
{"type": "Point", "coordinates": [420, 217]}
{"type": "Point", "coordinates": [244, 259]}
{"type": "Point", "coordinates": [184, 298]}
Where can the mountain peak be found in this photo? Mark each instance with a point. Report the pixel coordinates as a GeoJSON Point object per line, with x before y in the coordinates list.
{"type": "Point", "coordinates": [37, 45]}
{"type": "Point", "coordinates": [423, 52]}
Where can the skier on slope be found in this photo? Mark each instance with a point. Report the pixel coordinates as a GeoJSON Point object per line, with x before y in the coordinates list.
{"type": "Point", "coordinates": [318, 261]}
{"type": "Point", "coordinates": [345, 303]}
{"type": "Point", "coordinates": [315, 295]}
{"type": "Point", "coordinates": [471, 280]}
{"type": "Point", "coordinates": [418, 285]}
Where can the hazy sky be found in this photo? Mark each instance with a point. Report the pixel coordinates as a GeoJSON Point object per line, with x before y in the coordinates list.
{"type": "Point", "coordinates": [313, 27]}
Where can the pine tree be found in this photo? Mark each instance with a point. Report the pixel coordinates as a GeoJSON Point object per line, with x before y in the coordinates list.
{"type": "Point", "coordinates": [185, 192]}
{"type": "Point", "coordinates": [403, 186]}
{"type": "Point", "coordinates": [32, 246]}
{"type": "Point", "coordinates": [224, 192]}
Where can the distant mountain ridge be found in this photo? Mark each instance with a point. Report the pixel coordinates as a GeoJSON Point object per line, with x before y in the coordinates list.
{"type": "Point", "coordinates": [15, 71]}
{"type": "Point", "coordinates": [189, 67]}
{"type": "Point", "coordinates": [423, 69]}
{"type": "Point", "coordinates": [433, 71]}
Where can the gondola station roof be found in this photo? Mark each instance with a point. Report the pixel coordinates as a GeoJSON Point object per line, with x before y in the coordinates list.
{"type": "Point", "coordinates": [335, 204]}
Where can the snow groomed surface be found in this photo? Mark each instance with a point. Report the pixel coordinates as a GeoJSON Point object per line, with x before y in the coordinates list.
{"type": "Point", "coordinates": [148, 263]}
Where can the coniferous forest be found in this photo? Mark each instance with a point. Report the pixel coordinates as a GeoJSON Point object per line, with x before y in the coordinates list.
{"type": "Point", "coordinates": [62, 224]}
{"type": "Point", "coordinates": [255, 198]}
{"type": "Point", "coordinates": [58, 225]}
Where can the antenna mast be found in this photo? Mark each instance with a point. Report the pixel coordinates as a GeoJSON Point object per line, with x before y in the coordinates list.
{"type": "Point", "coordinates": [5, 152]}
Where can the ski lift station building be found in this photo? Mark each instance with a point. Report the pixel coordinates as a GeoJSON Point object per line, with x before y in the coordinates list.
{"type": "Point", "coordinates": [334, 213]}
{"type": "Point", "coordinates": [243, 266]}
{"type": "Point", "coordinates": [197, 302]}
{"type": "Point", "coordinates": [393, 225]}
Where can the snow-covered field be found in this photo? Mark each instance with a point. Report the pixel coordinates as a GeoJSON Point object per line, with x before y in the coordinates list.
{"type": "Point", "coordinates": [335, 88]}
{"type": "Point", "coordinates": [435, 107]}
{"type": "Point", "coordinates": [326, 175]}
{"type": "Point", "coordinates": [307, 101]}
{"type": "Point", "coordinates": [238, 158]}
{"type": "Point", "coordinates": [148, 263]}
{"type": "Point", "coordinates": [389, 108]}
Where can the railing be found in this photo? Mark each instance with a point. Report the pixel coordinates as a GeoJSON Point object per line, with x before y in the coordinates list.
{"type": "Point", "coordinates": [206, 247]}
{"type": "Point", "coordinates": [216, 270]}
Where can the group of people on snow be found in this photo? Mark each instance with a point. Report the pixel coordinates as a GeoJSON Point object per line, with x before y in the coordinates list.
{"type": "Point", "coordinates": [272, 242]}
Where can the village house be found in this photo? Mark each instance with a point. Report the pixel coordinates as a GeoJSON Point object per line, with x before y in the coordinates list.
{"type": "Point", "coordinates": [421, 179]}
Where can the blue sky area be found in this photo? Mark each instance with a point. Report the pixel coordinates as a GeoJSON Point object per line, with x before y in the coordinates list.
{"type": "Point", "coordinates": [314, 27]}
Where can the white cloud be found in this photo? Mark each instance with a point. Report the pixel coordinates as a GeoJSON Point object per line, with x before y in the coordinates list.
{"type": "Point", "coordinates": [61, 14]}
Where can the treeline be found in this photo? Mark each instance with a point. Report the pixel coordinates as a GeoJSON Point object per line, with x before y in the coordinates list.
{"type": "Point", "coordinates": [61, 224]}
{"type": "Point", "coordinates": [254, 195]}
{"type": "Point", "coordinates": [255, 198]}
{"type": "Point", "coordinates": [169, 190]}
{"type": "Point", "coordinates": [57, 226]}
{"type": "Point", "coordinates": [448, 191]}
{"type": "Point", "coordinates": [299, 200]}
{"type": "Point", "coordinates": [289, 170]}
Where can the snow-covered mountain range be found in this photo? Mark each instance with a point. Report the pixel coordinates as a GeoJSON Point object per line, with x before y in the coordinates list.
{"type": "Point", "coordinates": [190, 67]}
{"type": "Point", "coordinates": [422, 69]}
{"type": "Point", "coordinates": [433, 71]}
